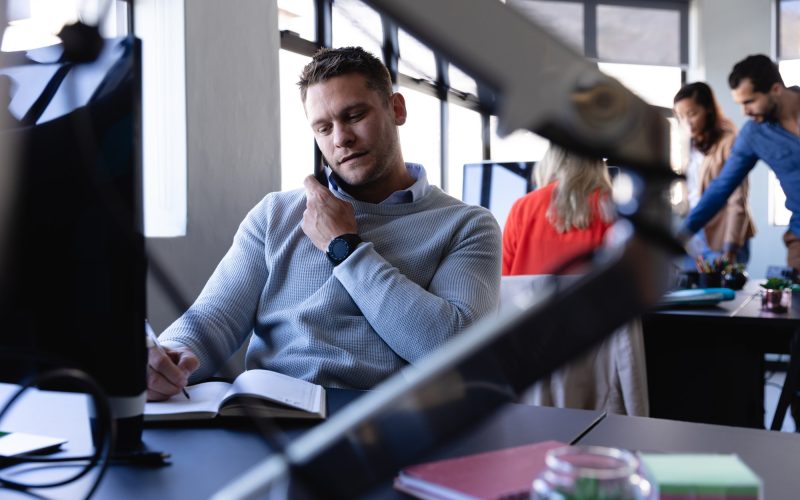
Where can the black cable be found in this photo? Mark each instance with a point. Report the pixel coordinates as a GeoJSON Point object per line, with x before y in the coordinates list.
{"type": "Point", "coordinates": [103, 436]}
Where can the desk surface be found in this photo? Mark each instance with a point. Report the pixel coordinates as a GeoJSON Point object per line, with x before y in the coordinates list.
{"type": "Point", "coordinates": [772, 455]}
{"type": "Point", "coordinates": [208, 456]}
{"type": "Point", "coordinates": [746, 307]}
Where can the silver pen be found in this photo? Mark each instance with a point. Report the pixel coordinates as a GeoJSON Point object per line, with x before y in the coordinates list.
{"type": "Point", "coordinates": [152, 341]}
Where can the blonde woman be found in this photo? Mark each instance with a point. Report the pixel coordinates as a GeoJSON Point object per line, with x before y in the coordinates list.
{"type": "Point", "coordinates": [567, 216]}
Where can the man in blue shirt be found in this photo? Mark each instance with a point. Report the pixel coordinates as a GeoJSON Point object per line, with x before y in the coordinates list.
{"type": "Point", "coordinates": [772, 134]}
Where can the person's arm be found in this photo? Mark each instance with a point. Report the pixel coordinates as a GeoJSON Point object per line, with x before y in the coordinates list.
{"type": "Point", "coordinates": [737, 215]}
{"type": "Point", "coordinates": [736, 168]}
{"type": "Point", "coordinates": [224, 313]}
{"type": "Point", "coordinates": [412, 320]}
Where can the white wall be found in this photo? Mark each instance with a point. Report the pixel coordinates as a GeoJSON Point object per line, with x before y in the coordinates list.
{"type": "Point", "coordinates": [233, 137]}
{"type": "Point", "coordinates": [723, 32]}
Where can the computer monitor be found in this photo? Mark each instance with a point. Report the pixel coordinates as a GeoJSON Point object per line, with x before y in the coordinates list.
{"type": "Point", "coordinates": [72, 278]}
{"type": "Point", "coordinates": [497, 185]}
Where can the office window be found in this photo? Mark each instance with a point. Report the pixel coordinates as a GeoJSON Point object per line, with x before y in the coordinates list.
{"type": "Point", "coordinates": [356, 24]}
{"type": "Point", "coordinates": [297, 16]}
{"type": "Point", "coordinates": [563, 19]}
{"type": "Point", "coordinates": [34, 23]}
{"type": "Point", "coordinates": [420, 137]}
{"type": "Point", "coordinates": [656, 85]}
{"type": "Point", "coordinates": [416, 60]}
{"type": "Point", "coordinates": [461, 81]}
{"type": "Point", "coordinates": [297, 140]}
{"type": "Point", "coordinates": [521, 145]}
{"type": "Point", "coordinates": [464, 145]}
{"type": "Point", "coordinates": [789, 29]}
{"type": "Point", "coordinates": [638, 35]}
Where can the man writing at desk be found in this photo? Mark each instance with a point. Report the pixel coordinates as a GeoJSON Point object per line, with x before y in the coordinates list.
{"type": "Point", "coordinates": [344, 284]}
{"type": "Point", "coordinates": [772, 135]}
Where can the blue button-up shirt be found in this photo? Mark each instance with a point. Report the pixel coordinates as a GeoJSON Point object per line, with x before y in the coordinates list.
{"type": "Point", "coordinates": [414, 192]}
{"type": "Point", "coordinates": [767, 141]}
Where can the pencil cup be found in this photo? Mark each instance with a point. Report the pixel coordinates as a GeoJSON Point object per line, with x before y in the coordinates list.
{"type": "Point", "coordinates": [578, 472]}
{"type": "Point", "coordinates": [709, 280]}
{"type": "Point", "coordinates": [776, 300]}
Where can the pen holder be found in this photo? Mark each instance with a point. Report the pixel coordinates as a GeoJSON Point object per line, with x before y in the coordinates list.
{"type": "Point", "coordinates": [709, 280]}
{"type": "Point", "coordinates": [776, 300]}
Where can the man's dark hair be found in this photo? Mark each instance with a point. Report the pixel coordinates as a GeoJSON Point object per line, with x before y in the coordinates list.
{"type": "Point", "coordinates": [759, 69]}
{"type": "Point", "coordinates": [329, 63]}
{"type": "Point", "coordinates": [702, 94]}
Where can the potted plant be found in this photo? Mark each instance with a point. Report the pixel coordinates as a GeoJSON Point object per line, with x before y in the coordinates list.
{"type": "Point", "coordinates": [776, 295]}
{"type": "Point", "coordinates": [734, 276]}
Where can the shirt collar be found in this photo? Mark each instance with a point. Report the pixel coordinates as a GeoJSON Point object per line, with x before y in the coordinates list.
{"type": "Point", "coordinates": [411, 194]}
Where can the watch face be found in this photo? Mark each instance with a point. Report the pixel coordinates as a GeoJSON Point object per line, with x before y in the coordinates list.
{"type": "Point", "coordinates": [339, 249]}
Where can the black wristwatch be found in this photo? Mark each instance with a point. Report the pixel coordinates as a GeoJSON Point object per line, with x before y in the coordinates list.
{"type": "Point", "coordinates": [341, 247]}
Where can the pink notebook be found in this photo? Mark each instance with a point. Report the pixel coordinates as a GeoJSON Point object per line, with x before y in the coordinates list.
{"type": "Point", "coordinates": [501, 474]}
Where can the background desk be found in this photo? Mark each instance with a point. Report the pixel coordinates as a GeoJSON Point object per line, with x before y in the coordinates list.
{"type": "Point", "coordinates": [707, 364]}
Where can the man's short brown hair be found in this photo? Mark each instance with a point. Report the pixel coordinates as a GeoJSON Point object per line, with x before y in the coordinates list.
{"type": "Point", "coordinates": [329, 63]}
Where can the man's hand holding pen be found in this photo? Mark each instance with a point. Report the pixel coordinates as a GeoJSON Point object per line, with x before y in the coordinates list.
{"type": "Point", "coordinates": [168, 371]}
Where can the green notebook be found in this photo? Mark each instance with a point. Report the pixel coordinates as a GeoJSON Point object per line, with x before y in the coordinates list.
{"type": "Point", "coordinates": [699, 475]}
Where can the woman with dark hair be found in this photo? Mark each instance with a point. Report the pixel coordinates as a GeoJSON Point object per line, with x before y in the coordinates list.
{"type": "Point", "coordinates": [711, 137]}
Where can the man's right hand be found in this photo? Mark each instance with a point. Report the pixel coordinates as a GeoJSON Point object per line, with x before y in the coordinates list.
{"type": "Point", "coordinates": [168, 371]}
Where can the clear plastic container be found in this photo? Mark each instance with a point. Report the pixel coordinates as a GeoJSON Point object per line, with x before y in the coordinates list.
{"type": "Point", "coordinates": [591, 472]}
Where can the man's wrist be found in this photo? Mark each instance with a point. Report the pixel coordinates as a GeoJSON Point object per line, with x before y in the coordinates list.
{"type": "Point", "coordinates": [341, 247]}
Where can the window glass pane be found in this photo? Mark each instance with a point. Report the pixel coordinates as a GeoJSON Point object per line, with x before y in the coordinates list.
{"type": "Point", "coordinates": [779, 215]}
{"type": "Point", "coordinates": [638, 35]}
{"type": "Point", "coordinates": [522, 145]}
{"type": "Point", "coordinates": [420, 135]}
{"type": "Point", "coordinates": [790, 29]}
{"type": "Point", "coordinates": [464, 145]}
{"type": "Point", "coordinates": [416, 60]}
{"type": "Point", "coordinates": [657, 85]}
{"type": "Point", "coordinates": [462, 81]}
{"type": "Point", "coordinates": [36, 25]}
{"type": "Point", "coordinates": [298, 16]}
{"type": "Point", "coordinates": [563, 19]}
{"type": "Point", "coordinates": [790, 71]}
{"type": "Point", "coordinates": [355, 24]}
{"type": "Point", "coordinates": [297, 141]}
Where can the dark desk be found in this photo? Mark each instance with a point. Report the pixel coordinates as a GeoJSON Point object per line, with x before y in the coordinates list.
{"type": "Point", "coordinates": [207, 458]}
{"type": "Point", "coordinates": [707, 364]}
{"type": "Point", "coordinates": [771, 455]}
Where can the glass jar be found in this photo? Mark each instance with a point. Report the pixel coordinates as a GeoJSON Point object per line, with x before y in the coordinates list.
{"type": "Point", "coordinates": [590, 472]}
{"type": "Point", "coordinates": [776, 300]}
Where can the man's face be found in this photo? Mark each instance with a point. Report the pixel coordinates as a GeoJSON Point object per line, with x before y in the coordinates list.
{"type": "Point", "coordinates": [355, 129]}
{"type": "Point", "coordinates": [759, 106]}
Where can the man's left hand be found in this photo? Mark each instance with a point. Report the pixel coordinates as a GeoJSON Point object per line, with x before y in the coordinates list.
{"type": "Point", "coordinates": [326, 216]}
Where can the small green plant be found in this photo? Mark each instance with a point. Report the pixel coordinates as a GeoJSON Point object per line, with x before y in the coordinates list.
{"type": "Point", "coordinates": [776, 284]}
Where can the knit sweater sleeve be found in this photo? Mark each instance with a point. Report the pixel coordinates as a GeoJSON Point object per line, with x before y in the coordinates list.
{"type": "Point", "coordinates": [217, 324]}
{"type": "Point", "coordinates": [413, 320]}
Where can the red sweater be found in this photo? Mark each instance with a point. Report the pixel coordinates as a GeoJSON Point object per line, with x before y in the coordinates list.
{"type": "Point", "coordinates": [532, 245]}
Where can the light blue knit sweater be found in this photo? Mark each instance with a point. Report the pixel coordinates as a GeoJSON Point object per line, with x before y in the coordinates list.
{"type": "Point", "coordinates": [426, 270]}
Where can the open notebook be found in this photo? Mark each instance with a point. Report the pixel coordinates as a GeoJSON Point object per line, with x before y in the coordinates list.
{"type": "Point", "coordinates": [254, 393]}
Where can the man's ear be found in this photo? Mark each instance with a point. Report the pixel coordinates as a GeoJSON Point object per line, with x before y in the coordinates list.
{"type": "Point", "coordinates": [776, 88]}
{"type": "Point", "coordinates": [398, 103]}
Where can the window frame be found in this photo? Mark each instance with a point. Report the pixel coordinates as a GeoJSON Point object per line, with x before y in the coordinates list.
{"type": "Point", "coordinates": [441, 89]}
